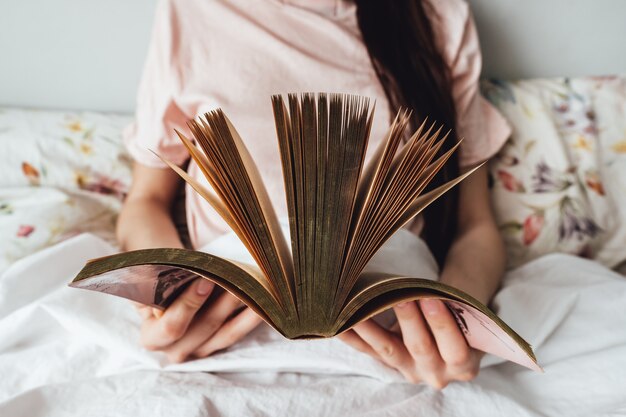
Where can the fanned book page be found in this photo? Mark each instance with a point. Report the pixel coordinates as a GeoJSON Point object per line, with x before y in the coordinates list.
{"type": "Point", "coordinates": [341, 212]}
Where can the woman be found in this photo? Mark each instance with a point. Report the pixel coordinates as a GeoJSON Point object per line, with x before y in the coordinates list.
{"type": "Point", "coordinates": [234, 54]}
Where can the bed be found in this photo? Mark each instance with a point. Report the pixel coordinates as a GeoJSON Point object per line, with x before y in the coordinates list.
{"type": "Point", "coordinates": [559, 190]}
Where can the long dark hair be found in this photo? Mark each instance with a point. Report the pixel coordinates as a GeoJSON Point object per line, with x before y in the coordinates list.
{"type": "Point", "coordinates": [401, 43]}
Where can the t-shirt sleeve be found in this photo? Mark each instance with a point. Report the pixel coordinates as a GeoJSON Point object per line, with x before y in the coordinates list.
{"type": "Point", "coordinates": [481, 126]}
{"type": "Point", "coordinates": [158, 113]}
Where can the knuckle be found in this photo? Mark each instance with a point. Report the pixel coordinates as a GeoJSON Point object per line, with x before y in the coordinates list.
{"type": "Point", "coordinates": [438, 383]}
{"type": "Point", "coordinates": [435, 379]}
{"type": "Point", "coordinates": [438, 325]}
{"type": "Point", "coordinates": [459, 358]}
{"type": "Point", "coordinates": [192, 302]}
{"type": "Point", "coordinates": [387, 351]}
{"type": "Point", "coordinates": [172, 330]}
{"type": "Point", "coordinates": [421, 348]}
{"type": "Point", "coordinates": [468, 375]}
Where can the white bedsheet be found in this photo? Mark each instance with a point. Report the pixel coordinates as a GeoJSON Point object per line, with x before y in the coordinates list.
{"type": "Point", "coordinates": [67, 352]}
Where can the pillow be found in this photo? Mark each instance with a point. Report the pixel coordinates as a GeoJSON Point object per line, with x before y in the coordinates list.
{"type": "Point", "coordinates": [72, 150]}
{"type": "Point", "coordinates": [559, 183]}
{"type": "Point", "coordinates": [61, 173]}
{"type": "Point", "coordinates": [33, 218]}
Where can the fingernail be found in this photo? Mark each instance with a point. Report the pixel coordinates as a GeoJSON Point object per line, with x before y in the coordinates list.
{"type": "Point", "coordinates": [430, 306]}
{"type": "Point", "coordinates": [403, 304]}
{"type": "Point", "coordinates": [204, 287]}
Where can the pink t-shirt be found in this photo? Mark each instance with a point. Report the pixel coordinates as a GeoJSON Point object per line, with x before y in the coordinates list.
{"type": "Point", "coordinates": [235, 54]}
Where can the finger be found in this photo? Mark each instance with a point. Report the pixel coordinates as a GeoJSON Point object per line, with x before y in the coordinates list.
{"type": "Point", "coordinates": [419, 342]}
{"type": "Point", "coordinates": [351, 338]}
{"type": "Point", "coordinates": [450, 341]}
{"type": "Point", "coordinates": [172, 325]}
{"type": "Point", "coordinates": [206, 323]}
{"type": "Point", "coordinates": [387, 345]}
{"type": "Point", "coordinates": [415, 333]}
{"type": "Point", "coordinates": [230, 333]}
{"type": "Point", "coordinates": [468, 371]}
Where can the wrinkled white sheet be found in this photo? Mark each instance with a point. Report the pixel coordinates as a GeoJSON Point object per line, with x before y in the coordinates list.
{"type": "Point", "coordinates": [67, 352]}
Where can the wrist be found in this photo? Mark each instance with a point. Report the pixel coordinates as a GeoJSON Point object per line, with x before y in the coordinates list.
{"type": "Point", "coordinates": [480, 289]}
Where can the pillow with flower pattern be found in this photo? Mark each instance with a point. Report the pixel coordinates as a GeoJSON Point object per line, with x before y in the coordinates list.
{"type": "Point", "coordinates": [63, 173]}
{"type": "Point", "coordinates": [70, 150]}
{"type": "Point", "coordinates": [559, 183]}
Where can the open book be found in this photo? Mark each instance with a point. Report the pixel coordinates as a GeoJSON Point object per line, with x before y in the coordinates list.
{"type": "Point", "coordinates": [341, 211]}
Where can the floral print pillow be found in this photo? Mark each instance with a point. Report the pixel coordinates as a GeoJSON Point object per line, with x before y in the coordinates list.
{"type": "Point", "coordinates": [63, 173]}
{"type": "Point", "coordinates": [559, 183]}
{"type": "Point", "coordinates": [63, 149]}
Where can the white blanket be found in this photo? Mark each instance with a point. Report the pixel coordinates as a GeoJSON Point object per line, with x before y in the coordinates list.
{"type": "Point", "coordinates": [67, 352]}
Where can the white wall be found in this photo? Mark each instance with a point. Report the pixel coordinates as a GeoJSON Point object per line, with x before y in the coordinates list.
{"type": "Point", "coordinates": [88, 54]}
{"type": "Point", "coordinates": [543, 38]}
{"type": "Point", "coordinates": [74, 54]}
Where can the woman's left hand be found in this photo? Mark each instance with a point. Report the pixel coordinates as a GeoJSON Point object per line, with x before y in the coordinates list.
{"type": "Point", "coordinates": [430, 347]}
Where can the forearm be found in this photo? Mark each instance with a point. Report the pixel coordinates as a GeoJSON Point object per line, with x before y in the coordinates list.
{"type": "Point", "coordinates": [476, 261]}
{"type": "Point", "coordinates": [146, 223]}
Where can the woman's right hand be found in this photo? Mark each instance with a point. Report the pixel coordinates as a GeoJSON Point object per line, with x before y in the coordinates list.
{"type": "Point", "coordinates": [196, 324]}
